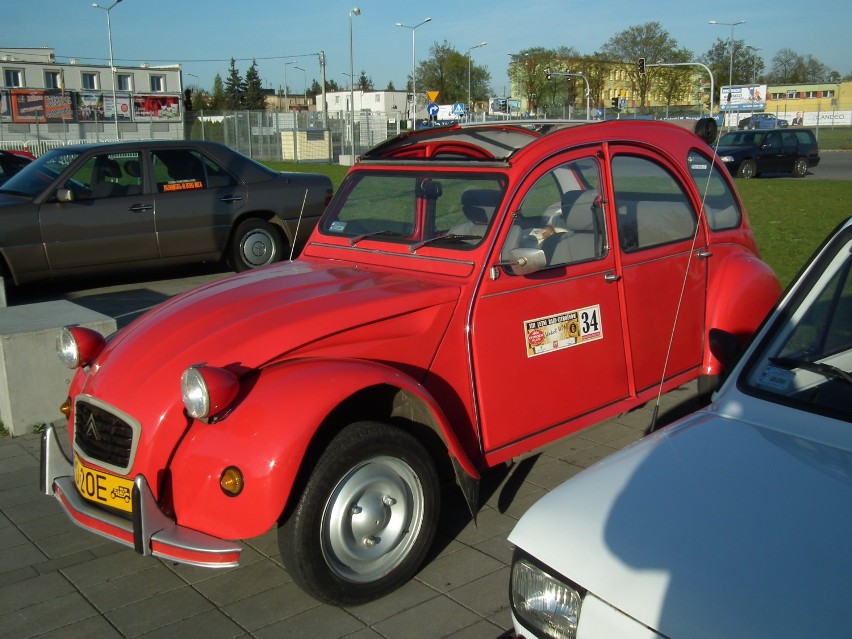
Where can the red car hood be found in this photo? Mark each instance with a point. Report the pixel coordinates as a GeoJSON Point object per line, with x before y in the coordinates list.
{"type": "Point", "coordinates": [298, 309]}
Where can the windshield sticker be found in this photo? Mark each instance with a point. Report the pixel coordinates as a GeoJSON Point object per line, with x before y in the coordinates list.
{"type": "Point", "coordinates": [182, 186]}
{"type": "Point", "coordinates": [337, 226]}
{"type": "Point", "coordinates": [776, 379]}
{"type": "Point", "coordinates": [555, 332]}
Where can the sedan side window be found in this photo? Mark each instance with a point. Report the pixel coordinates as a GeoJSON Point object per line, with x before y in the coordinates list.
{"type": "Point", "coordinates": [651, 207]}
{"type": "Point", "coordinates": [561, 214]}
{"type": "Point", "coordinates": [104, 176]}
{"type": "Point", "coordinates": [720, 205]}
{"type": "Point", "coordinates": [178, 170]}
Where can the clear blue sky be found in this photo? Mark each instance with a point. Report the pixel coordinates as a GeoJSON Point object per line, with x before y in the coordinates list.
{"type": "Point", "coordinates": [203, 35]}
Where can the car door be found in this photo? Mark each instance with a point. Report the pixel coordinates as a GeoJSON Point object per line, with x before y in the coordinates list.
{"type": "Point", "coordinates": [197, 202]}
{"type": "Point", "coordinates": [547, 347]}
{"type": "Point", "coordinates": [663, 263]}
{"type": "Point", "coordinates": [772, 153]}
{"type": "Point", "coordinates": [110, 219]}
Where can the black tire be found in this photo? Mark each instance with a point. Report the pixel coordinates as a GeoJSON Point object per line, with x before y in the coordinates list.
{"type": "Point", "coordinates": [800, 168]}
{"type": "Point", "coordinates": [747, 169]}
{"type": "Point", "coordinates": [366, 516]}
{"type": "Point", "coordinates": [255, 243]}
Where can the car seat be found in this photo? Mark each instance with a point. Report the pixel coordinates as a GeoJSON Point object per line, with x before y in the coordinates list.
{"type": "Point", "coordinates": [104, 174]}
{"type": "Point", "coordinates": [478, 206]}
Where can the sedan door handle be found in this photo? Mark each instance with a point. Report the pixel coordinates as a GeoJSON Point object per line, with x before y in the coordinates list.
{"type": "Point", "coordinates": [231, 198]}
{"type": "Point", "coordinates": [136, 208]}
{"type": "Point", "coordinates": [612, 277]}
{"type": "Point", "coordinates": [703, 255]}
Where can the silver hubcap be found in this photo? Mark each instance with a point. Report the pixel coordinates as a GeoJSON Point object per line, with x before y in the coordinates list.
{"type": "Point", "coordinates": [371, 520]}
{"type": "Point", "coordinates": [257, 248]}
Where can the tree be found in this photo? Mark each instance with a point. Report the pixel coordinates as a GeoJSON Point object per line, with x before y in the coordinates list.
{"type": "Point", "coordinates": [673, 82]}
{"type": "Point", "coordinates": [217, 95]}
{"type": "Point", "coordinates": [390, 86]}
{"type": "Point", "coordinates": [788, 67]}
{"type": "Point", "coordinates": [365, 83]}
{"type": "Point", "coordinates": [527, 71]}
{"type": "Point", "coordinates": [446, 72]}
{"type": "Point", "coordinates": [718, 58]}
{"type": "Point", "coordinates": [253, 98]}
{"type": "Point", "coordinates": [234, 88]}
{"type": "Point", "coordinates": [649, 41]}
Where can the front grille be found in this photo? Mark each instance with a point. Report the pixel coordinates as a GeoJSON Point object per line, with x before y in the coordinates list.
{"type": "Point", "coordinates": [103, 436]}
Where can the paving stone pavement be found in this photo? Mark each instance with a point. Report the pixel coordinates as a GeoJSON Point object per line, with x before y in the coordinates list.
{"type": "Point", "coordinates": [57, 580]}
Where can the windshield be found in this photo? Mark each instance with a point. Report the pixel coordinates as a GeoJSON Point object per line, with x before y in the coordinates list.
{"type": "Point", "coordinates": [448, 209]}
{"type": "Point", "coordinates": [807, 358]}
{"type": "Point", "coordinates": [40, 173]}
{"type": "Point", "coordinates": [742, 138]}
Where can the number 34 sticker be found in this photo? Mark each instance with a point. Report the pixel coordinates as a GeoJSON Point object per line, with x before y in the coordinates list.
{"type": "Point", "coordinates": [555, 332]}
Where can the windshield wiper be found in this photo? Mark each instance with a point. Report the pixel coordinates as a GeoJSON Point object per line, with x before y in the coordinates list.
{"type": "Point", "coordinates": [827, 370]}
{"type": "Point", "coordinates": [452, 238]}
{"type": "Point", "coordinates": [354, 240]}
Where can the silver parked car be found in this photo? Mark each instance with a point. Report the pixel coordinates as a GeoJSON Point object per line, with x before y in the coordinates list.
{"type": "Point", "coordinates": [734, 522]}
{"type": "Point", "coordinates": [104, 207]}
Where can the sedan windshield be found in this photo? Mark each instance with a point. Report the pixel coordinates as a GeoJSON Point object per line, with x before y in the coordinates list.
{"type": "Point", "coordinates": [40, 173]}
{"type": "Point", "coordinates": [449, 210]}
{"type": "Point", "coordinates": [807, 358]}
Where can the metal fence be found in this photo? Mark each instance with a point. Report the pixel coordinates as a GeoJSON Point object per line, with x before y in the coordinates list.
{"type": "Point", "coordinates": [295, 136]}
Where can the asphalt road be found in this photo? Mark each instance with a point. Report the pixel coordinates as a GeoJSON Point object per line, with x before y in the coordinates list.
{"type": "Point", "coordinates": [833, 165]}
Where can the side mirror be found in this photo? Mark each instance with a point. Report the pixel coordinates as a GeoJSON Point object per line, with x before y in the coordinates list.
{"type": "Point", "coordinates": [725, 347]}
{"type": "Point", "coordinates": [64, 195]}
{"type": "Point", "coordinates": [523, 261]}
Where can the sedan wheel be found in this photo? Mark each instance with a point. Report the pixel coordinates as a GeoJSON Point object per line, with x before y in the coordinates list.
{"type": "Point", "coordinates": [255, 243]}
{"type": "Point", "coordinates": [366, 517]}
{"type": "Point", "coordinates": [800, 168]}
{"type": "Point", "coordinates": [747, 169]}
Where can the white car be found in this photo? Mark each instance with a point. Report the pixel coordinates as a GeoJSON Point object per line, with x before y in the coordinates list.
{"type": "Point", "coordinates": [733, 522]}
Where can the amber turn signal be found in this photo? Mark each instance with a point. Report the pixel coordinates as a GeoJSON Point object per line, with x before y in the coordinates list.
{"type": "Point", "coordinates": [231, 481]}
{"type": "Point", "coordinates": [65, 409]}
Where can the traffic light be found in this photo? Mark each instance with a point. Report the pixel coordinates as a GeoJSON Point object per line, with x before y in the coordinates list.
{"type": "Point", "coordinates": [641, 66]}
{"type": "Point", "coordinates": [615, 103]}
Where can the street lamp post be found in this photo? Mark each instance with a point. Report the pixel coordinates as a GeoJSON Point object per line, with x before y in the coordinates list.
{"type": "Point", "coordinates": [731, 64]}
{"type": "Point", "coordinates": [413, 66]}
{"type": "Point", "coordinates": [469, 97]}
{"type": "Point", "coordinates": [111, 66]}
{"type": "Point", "coordinates": [286, 101]}
{"type": "Point", "coordinates": [304, 84]}
{"type": "Point", "coordinates": [355, 12]}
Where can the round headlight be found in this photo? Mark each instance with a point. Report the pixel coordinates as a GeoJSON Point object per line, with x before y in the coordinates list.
{"type": "Point", "coordinates": [78, 346]}
{"type": "Point", "coordinates": [207, 390]}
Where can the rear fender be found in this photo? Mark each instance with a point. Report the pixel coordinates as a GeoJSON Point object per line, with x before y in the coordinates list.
{"type": "Point", "coordinates": [739, 297]}
{"type": "Point", "coordinates": [267, 436]}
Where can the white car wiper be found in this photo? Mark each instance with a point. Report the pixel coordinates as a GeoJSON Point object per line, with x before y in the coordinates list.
{"type": "Point", "coordinates": [827, 370]}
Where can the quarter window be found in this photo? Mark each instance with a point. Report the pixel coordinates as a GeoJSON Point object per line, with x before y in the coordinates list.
{"type": "Point", "coordinates": [651, 207]}
{"type": "Point", "coordinates": [720, 205]}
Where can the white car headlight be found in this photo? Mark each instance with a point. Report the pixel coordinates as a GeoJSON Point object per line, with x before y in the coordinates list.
{"type": "Point", "coordinates": [193, 390]}
{"type": "Point", "coordinates": [207, 391]}
{"type": "Point", "coordinates": [543, 603]}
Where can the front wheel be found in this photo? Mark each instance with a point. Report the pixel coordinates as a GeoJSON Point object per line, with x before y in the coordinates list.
{"type": "Point", "coordinates": [747, 169]}
{"type": "Point", "coordinates": [800, 168]}
{"type": "Point", "coordinates": [255, 243]}
{"type": "Point", "coordinates": [366, 517]}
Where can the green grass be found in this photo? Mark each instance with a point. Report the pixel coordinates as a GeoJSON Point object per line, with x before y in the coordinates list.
{"type": "Point", "coordinates": [834, 138]}
{"type": "Point", "coordinates": [790, 217]}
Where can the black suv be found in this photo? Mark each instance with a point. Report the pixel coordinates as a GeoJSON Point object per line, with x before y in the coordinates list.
{"type": "Point", "coordinates": [748, 154]}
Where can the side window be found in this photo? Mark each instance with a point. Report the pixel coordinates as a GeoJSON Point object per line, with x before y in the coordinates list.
{"type": "Point", "coordinates": [105, 176]}
{"type": "Point", "coordinates": [790, 143]}
{"type": "Point", "coordinates": [720, 205]}
{"type": "Point", "coordinates": [561, 214]}
{"type": "Point", "coordinates": [651, 207]}
{"type": "Point", "coordinates": [178, 170]}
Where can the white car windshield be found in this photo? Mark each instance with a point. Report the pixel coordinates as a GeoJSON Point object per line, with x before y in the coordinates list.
{"type": "Point", "coordinates": [807, 357]}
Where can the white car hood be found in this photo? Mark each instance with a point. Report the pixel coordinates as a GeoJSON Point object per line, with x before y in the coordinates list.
{"type": "Point", "coordinates": [734, 530]}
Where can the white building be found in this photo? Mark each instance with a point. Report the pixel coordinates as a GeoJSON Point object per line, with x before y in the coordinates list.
{"type": "Point", "coordinates": [41, 98]}
{"type": "Point", "coordinates": [386, 102]}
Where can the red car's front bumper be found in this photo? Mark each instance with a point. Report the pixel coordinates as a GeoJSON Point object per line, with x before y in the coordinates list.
{"type": "Point", "coordinates": [148, 530]}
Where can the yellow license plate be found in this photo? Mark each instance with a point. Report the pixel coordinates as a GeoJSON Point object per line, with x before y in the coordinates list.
{"type": "Point", "coordinates": [102, 488]}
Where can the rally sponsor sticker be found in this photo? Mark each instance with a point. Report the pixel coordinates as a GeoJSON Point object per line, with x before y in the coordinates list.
{"type": "Point", "coordinates": [555, 332]}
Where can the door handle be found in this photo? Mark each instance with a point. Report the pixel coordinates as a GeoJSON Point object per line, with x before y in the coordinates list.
{"type": "Point", "coordinates": [612, 277]}
{"type": "Point", "coordinates": [136, 208]}
{"type": "Point", "coordinates": [231, 198]}
{"type": "Point", "coordinates": [703, 255]}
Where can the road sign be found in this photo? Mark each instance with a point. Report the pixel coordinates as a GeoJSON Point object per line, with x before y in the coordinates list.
{"type": "Point", "coordinates": [432, 109]}
{"type": "Point", "coordinates": [458, 108]}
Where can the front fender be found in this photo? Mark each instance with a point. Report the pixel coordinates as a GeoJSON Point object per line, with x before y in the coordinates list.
{"type": "Point", "coordinates": [267, 435]}
{"type": "Point", "coordinates": [740, 295]}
